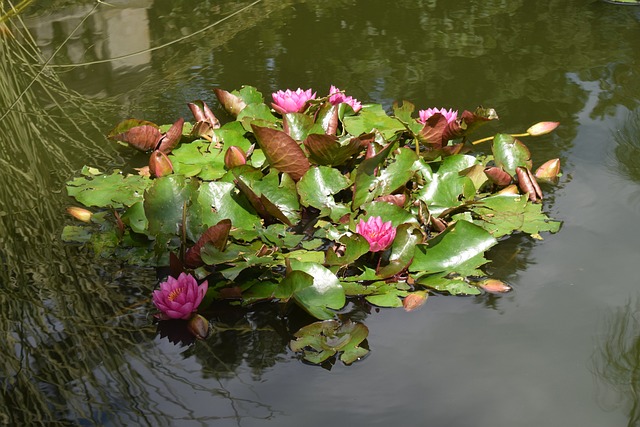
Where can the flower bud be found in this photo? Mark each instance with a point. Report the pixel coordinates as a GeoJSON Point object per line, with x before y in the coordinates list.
{"type": "Point", "coordinates": [548, 170]}
{"type": "Point", "coordinates": [159, 164]}
{"type": "Point", "coordinates": [542, 128]}
{"type": "Point", "coordinates": [199, 327]}
{"type": "Point", "coordinates": [232, 103]}
{"type": "Point", "coordinates": [497, 175]}
{"type": "Point", "coordinates": [414, 300]}
{"type": "Point", "coordinates": [494, 286]}
{"type": "Point", "coordinates": [235, 156]}
{"type": "Point", "coordinates": [79, 213]}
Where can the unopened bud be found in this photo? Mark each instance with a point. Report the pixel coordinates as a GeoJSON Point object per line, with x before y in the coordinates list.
{"type": "Point", "coordinates": [199, 327]}
{"type": "Point", "coordinates": [494, 286]}
{"type": "Point", "coordinates": [414, 300]}
{"type": "Point", "coordinates": [80, 213]}
{"type": "Point", "coordinates": [542, 128]}
{"type": "Point", "coordinates": [235, 156]}
{"type": "Point", "coordinates": [159, 164]}
{"type": "Point", "coordinates": [548, 170]}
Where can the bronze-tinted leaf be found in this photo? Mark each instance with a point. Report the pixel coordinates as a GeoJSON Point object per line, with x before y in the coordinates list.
{"type": "Point", "coordinates": [217, 235]}
{"type": "Point", "coordinates": [140, 134]}
{"type": "Point", "coordinates": [283, 152]}
{"type": "Point", "coordinates": [433, 131]}
{"type": "Point", "coordinates": [468, 122]}
{"type": "Point", "coordinates": [527, 183]}
{"type": "Point", "coordinates": [497, 175]}
{"type": "Point", "coordinates": [326, 150]}
{"type": "Point", "coordinates": [170, 139]}
{"type": "Point", "coordinates": [231, 103]}
{"type": "Point", "coordinates": [395, 199]}
{"type": "Point", "coordinates": [202, 113]}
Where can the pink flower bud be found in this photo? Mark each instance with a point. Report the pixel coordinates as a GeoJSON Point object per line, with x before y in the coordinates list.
{"type": "Point", "coordinates": [159, 164]}
{"type": "Point", "coordinates": [199, 327]}
{"type": "Point", "coordinates": [80, 213]}
{"type": "Point", "coordinates": [542, 128]}
{"type": "Point", "coordinates": [336, 96]}
{"type": "Point", "coordinates": [414, 300]}
{"type": "Point", "coordinates": [494, 286]}
{"type": "Point", "coordinates": [548, 170]}
{"type": "Point", "coordinates": [235, 156]}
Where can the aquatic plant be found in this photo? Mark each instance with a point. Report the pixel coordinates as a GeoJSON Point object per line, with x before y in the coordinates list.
{"type": "Point", "coordinates": [379, 234]}
{"type": "Point", "coordinates": [283, 204]}
{"type": "Point", "coordinates": [179, 298]}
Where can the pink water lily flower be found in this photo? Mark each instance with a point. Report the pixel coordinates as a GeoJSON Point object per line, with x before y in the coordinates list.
{"type": "Point", "coordinates": [450, 115]}
{"type": "Point", "coordinates": [336, 96]}
{"type": "Point", "coordinates": [291, 102]}
{"type": "Point", "coordinates": [379, 235]}
{"type": "Point", "coordinates": [179, 298]}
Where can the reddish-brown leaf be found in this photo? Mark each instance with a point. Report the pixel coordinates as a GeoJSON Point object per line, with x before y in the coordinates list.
{"type": "Point", "coordinates": [283, 152]}
{"type": "Point", "coordinates": [170, 139]}
{"type": "Point", "coordinates": [141, 135]}
{"type": "Point", "coordinates": [217, 235]}
{"type": "Point", "coordinates": [433, 130]}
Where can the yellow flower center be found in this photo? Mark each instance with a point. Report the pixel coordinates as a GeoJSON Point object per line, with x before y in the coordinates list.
{"type": "Point", "coordinates": [174, 293]}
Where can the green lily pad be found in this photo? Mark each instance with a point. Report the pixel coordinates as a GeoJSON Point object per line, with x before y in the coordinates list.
{"type": "Point", "coordinates": [321, 340]}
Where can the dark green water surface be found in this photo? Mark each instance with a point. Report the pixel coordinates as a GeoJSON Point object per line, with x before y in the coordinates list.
{"type": "Point", "coordinates": [562, 349]}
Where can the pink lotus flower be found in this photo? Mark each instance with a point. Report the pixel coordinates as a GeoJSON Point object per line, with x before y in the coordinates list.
{"type": "Point", "coordinates": [179, 298]}
{"type": "Point", "coordinates": [450, 115]}
{"type": "Point", "coordinates": [379, 235]}
{"type": "Point", "coordinates": [291, 102]}
{"type": "Point", "coordinates": [336, 96]}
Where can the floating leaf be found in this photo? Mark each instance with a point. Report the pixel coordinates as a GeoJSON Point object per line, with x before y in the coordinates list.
{"type": "Point", "coordinates": [321, 340]}
{"type": "Point", "coordinates": [115, 190]}
{"type": "Point", "coordinates": [318, 186]}
{"type": "Point", "coordinates": [509, 153]}
{"type": "Point", "coordinates": [325, 293]}
{"type": "Point", "coordinates": [502, 215]}
{"type": "Point", "coordinates": [459, 249]}
{"type": "Point", "coordinates": [373, 117]}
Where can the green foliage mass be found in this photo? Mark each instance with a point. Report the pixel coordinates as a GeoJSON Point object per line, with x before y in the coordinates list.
{"type": "Point", "coordinates": [266, 207]}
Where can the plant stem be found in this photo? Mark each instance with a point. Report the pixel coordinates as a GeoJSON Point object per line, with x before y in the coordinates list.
{"type": "Point", "coordinates": [515, 135]}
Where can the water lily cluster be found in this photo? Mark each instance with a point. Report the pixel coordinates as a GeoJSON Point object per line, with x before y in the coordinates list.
{"type": "Point", "coordinates": [308, 200]}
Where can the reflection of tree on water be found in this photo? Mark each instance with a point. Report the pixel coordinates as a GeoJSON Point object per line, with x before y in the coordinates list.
{"type": "Point", "coordinates": [76, 343]}
{"type": "Point", "coordinates": [616, 362]}
{"type": "Point", "coordinates": [628, 146]}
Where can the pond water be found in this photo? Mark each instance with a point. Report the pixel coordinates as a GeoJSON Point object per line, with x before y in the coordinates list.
{"type": "Point", "coordinates": [560, 349]}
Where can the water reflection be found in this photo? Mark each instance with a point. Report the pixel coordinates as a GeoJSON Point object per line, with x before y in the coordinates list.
{"type": "Point", "coordinates": [616, 362]}
{"type": "Point", "coordinates": [627, 150]}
